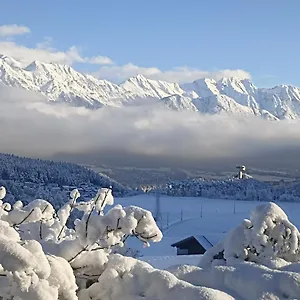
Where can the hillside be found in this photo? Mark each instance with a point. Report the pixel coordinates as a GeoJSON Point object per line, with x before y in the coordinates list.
{"type": "Point", "coordinates": [28, 179]}
{"type": "Point", "coordinates": [231, 188]}
{"type": "Point", "coordinates": [233, 96]}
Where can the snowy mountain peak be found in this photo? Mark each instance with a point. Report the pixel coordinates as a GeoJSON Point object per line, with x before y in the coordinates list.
{"type": "Point", "coordinates": [235, 96]}
{"type": "Point", "coordinates": [10, 61]}
{"type": "Point", "coordinates": [204, 87]}
{"type": "Point", "coordinates": [204, 81]}
{"type": "Point", "coordinates": [138, 77]}
{"type": "Point", "coordinates": [38, 66]}
{"type": "Point", "coordinates": [35, 65]}
{"type": "Point", "coordinates": [151, 88]}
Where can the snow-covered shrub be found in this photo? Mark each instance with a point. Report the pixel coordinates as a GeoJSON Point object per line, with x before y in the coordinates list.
{"type": "Point", "coordinates": [27, 273]}
{"type": "Point", "coordinates": [41, 258]}
{"type": "Point", "coordinates": [260, 259]}
{"type": "Point", "coordinates": [268, 237]}
{"type": "Point", "coordinates": [127, 279]}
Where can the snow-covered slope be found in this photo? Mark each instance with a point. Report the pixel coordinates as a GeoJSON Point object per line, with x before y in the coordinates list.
{"type": "Point", "coordinates": [240, 96]}
{"type": "Point", "coordinates": [179, 103]}
{"type": "Point", "coordinates": [10, 61]}
{"type": "Point", "coordinates": [235, 96]}
{"type": "Point", "coordinates": [62, 83]}
{"type": "Point", "coordinates": [142, 86]}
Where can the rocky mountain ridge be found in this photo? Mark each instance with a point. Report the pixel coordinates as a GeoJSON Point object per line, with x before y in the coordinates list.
{"type": "Point", "coordinates": [234, 96]}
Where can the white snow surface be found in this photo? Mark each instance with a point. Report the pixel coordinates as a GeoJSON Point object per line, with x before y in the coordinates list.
{"type": "Point", "coordinates": [127, 278]}
{"type": "Point", "coordinates": [218, 217]}
{"type": "Point", "coordinates": [256, 252]}
{"type": "Point", "coordinates": [233, 96]}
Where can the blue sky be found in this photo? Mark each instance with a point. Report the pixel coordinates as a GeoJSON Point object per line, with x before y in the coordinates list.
{"type": "Point", "coordinates": [171, 40]}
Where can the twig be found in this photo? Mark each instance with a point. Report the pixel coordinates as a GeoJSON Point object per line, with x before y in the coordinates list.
{"type": "Point", "coordinates": [41, 222]}
{"type": "Point", "coordinates": [149, 237]}
{"type": "Point", "coordinates": [63, 227]}
{"type": "Point", "coordinates": [101, 247]}
{"type": "Point", "coordinates": [61, 230]}
{"type": "Point", "coordinates": [144, 238]}
{"type": "Point", "coordinates": [92, 210]}
{"type": "Point", "coordinates": [118, 222]}
{"type": "Point", "coordinates": [102, 204]}
{"type": "Point", "coordinates": [82, 250]}
{"type": "Point", "coordinates": [87, 222]}
{"type": "Point", "coordinates": [18, 224]}
{"type": "Point", "coordinates": [125, 238]}
{"type": "Point", "coordinates": [87, 276]}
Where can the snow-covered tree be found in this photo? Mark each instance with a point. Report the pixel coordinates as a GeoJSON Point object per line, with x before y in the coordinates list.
{"type": "Point", "coordinates": [268, 237]}
{"type": "Point", "coordinates": [41, 258]}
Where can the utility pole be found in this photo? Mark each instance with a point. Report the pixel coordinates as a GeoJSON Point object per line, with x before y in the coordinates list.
{"type": "Point", "coordinates": [157, 214]}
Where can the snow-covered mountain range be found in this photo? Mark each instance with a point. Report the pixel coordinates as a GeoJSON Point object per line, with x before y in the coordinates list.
{"type": "Point", "coordinates": [235, 96]}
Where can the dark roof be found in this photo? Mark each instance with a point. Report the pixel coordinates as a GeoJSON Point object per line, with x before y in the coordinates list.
{"type": "Point", "coordinates": [206, 241]}
{"type": "Point", "coordinates": [181, 242]}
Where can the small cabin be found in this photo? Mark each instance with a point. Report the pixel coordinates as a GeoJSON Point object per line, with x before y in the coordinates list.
{"type": "Point", "coordinates": [196, 244]}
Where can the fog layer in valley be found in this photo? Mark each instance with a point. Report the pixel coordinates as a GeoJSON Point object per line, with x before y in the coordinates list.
{"type": "Point", "coordinates": [142, 136]}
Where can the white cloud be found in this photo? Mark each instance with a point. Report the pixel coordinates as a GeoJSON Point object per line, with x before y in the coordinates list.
{"type": "Point", "coordinates": [99, 60]}
{"type": "Point", "coordinates": [14, 29]}
{"type": "Point", "coordinates": [27, 55]}
{"type": "Point", "coordinates": [118, 73]}
{"type": "Point", "coordinates": [46, 53]}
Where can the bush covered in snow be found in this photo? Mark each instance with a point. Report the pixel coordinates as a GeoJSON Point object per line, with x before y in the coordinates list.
{"type": "Point", "coordinates": [42, 258]}
{"type": "Point", "coordinates": [266, 238]}
{"type": "Point", "coordinates": [260, 259]}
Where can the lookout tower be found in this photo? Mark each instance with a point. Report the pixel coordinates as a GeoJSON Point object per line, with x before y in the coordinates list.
{"type": "Point", "coordinates": [242, 172]}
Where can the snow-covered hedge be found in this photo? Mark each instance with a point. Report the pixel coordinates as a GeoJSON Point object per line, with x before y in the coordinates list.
{"type": "Point", "coordinates": [41, 258]}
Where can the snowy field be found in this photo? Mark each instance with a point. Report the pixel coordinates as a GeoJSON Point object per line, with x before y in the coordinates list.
{"type": "Point", "coordinates": [200, 216]}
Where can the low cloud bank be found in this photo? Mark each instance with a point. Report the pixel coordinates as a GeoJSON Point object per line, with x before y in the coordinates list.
{"type": "Point", "coordinates": [144, 134]}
